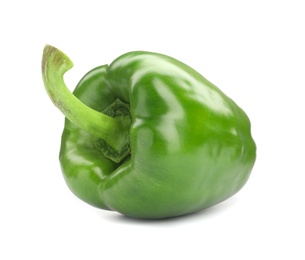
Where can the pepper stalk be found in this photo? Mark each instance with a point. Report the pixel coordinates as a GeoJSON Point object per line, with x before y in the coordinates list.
{"type": "Point", "coordinates": [113, 131]}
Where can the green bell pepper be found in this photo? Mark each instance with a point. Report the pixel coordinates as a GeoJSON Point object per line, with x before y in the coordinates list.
{"type": "Point", "coordinates": [148, 136]}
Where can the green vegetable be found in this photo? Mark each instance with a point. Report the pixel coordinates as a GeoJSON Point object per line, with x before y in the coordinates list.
{"type": "Point", "coordinates": [148, 136]}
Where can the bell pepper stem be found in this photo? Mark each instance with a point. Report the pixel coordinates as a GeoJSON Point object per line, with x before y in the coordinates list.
{"type": "Point", "coordinates": [112, 130]}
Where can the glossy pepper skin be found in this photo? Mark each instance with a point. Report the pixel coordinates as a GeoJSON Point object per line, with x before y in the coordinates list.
{"type": "Point", "coordinates": [176, 144]}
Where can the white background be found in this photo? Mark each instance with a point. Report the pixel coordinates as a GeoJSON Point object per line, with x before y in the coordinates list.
{"type": "Point", "coordinates": [253, 50]}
